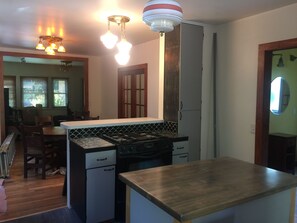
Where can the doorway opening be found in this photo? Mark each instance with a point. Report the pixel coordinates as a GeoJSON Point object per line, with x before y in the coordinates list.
{"type": "Point", "coordinates": [132, 91]}
{"type": "Point", "coordinates": [265, 54]}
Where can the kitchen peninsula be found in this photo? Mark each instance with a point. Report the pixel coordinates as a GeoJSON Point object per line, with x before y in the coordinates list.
{"type": "Point", "coordinates": [95, 128]}
{"type": "Point", "coordinates": [223, 190]}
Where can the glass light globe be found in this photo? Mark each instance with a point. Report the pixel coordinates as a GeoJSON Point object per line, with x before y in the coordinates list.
{"type": "Point", "coordinates": [109, 40]}
{"type": "Point", "coordinates": [124, 46]}
{"type": "Point", "coordinates": [122, 58]}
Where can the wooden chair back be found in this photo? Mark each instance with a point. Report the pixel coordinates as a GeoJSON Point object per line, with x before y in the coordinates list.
{"type": "Point", "coordinates": [36, 153]}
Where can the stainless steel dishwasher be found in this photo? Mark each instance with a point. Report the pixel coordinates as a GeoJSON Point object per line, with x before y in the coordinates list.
{"type": "Point", "coordinates": [92, 179]}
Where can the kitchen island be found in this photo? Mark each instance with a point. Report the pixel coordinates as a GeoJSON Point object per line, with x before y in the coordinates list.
{"type": "Point", "coordinates": [223, 190]}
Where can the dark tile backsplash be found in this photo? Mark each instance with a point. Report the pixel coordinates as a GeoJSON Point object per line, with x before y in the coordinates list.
{"type": "Point", "coordinates": [150, 127]}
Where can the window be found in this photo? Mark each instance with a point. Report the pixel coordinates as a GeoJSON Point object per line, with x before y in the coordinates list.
{"type": "Point", "coordinates": [34, 91]}
{"type": "Point", "coordinates": [9, 82]}
{"type": "Point", "coordinates": [60, 90]}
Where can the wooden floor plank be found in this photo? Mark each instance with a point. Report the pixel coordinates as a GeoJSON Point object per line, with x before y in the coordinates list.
{"type": "Point", "coordinates": [26, 197]}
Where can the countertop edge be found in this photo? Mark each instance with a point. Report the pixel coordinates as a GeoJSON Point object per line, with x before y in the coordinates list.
{"type": "Point", "coordinates": [151, 198]}
{"type": "Point", "coordinates": [108, 122]}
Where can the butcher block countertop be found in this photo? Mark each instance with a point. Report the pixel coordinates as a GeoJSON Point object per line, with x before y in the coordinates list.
{"type": "Point", "coordinates": [199, 188]}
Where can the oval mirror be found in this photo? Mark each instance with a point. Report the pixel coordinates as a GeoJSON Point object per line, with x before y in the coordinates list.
{"type": "Point", "coordinates": [279, 95]}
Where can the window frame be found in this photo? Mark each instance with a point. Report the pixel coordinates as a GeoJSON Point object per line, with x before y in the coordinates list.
{"type": "Point", "coordinates": [53, 92]}
{"type": "Point", "coordinates": [13, 78]}
{"type": "Point", "coordinates": [46, 92]}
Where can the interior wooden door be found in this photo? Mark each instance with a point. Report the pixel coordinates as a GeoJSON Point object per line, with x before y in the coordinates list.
{"type": "Point", "coordinates": [132, 98]}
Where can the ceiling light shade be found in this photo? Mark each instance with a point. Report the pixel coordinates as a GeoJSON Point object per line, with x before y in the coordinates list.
{"type": "Point", "coordinates": [65, 65]}
{"type": "Point", "coordinates": [162, 15]}
{"type": "Point", "coordinates": [109, 39]}
{"type": "Point", "coordinates": [124, 46]}
{"type": "Point", "coordinates": [40, 45]}
{"type": "Point", "coordinates": [293, 58]}
{"type": "Point", "coordinates": [122, 58]}
{"type": "Point", "coordinates": [50, 44]}
{"type": "Point", "coordinates": [61, 48]}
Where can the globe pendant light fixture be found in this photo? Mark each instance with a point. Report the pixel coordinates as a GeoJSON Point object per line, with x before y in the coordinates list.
{"type": "Point", "coordinates": [110, 40]}
{"type": "Point", "coordinates": [162, 15]}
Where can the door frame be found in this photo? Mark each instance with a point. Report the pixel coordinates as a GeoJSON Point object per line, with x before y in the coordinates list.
{"type": "Point", "coordinates": [263, 96]}
{"type": "Point", "coordinates": [135, 69]}
{"type": "Point", "coordinates": [16, 54]}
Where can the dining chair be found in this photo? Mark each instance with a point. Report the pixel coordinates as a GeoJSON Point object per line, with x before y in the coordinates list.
{"type": "Point", "coordinates": [44, 120]}
{"type": "Point", "coordinates": [37, 155]}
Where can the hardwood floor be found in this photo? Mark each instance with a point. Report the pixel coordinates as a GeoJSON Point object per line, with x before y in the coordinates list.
{"type": "Point", "coordinates": [32, 195]}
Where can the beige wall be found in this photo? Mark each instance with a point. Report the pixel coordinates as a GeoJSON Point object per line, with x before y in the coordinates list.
{"type": "Point", "coordinates": [103, 80]}
{"type": "Point", "coordinates": [237, 75]}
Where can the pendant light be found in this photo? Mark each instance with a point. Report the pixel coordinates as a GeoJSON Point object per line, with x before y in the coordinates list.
{"type": "Point", "coordinates": [162, 15]}
{"type": "Point", "coordinates": [110, 40]}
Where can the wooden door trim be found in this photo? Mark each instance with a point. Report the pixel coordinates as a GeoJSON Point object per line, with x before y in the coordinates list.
{"type": "Point", "coordinates": [263, 96]}
{"type": "Point", "coordinates": [58, 57]}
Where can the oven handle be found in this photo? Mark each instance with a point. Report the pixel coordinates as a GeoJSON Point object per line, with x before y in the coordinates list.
{"type": "Point", "coordinates": [147, 155]}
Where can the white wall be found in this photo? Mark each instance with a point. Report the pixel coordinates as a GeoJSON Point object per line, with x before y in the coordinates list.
{"type": "Point", "coordinates": [237, 75]}
{"type": "Point", "coordinates": [103, 80]}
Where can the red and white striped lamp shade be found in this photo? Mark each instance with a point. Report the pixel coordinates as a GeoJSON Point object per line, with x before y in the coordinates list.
{"type": "Point", "coordinates": [162, 15]}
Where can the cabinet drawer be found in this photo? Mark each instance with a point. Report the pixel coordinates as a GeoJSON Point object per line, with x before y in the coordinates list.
{"type": "Point", "coordinates": [180, 147]}
{"type": "Point", "coordinates": [180, 159]}
{"type": "Point", "coordinates": [97, 159]}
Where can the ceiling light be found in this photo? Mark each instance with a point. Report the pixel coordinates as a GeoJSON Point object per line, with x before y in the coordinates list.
{"type": "Point", "coordinates": [162, 15]}
{"type": "Point", "coordinates": [110, 40]}
{"type": "Point", "coordinates": [293, 58]}
{"type": "Point", "coordinates": [50, 44]}
{"type": "Point", "coordinates": [122, 58]}
{"type": "Point", "coordinates": [280, 60]}
{"type": "Point", "coordinates": [65, 65]}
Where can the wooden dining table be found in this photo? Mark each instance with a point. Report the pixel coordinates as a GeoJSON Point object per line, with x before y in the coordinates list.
{"type": "Point", "coordinates": [54, 131]}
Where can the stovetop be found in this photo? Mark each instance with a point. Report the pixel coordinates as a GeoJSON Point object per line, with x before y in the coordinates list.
{"type": "Point", "coordinates": [127, 138]}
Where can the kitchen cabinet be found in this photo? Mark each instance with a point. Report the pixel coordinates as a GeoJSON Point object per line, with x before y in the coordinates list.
{"type": "Point", "coordinates": [180, 153]}
{"type": "Point", "coordinates": [92, 181]}
{"type": "Point", "coordinates": [182, 82]}
{"type": "Point", "coordinates": [281, 153]}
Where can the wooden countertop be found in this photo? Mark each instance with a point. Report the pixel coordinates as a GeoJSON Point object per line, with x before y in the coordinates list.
{"type": "Point", "coordinates": [199, 188]}
{"type": "Point", "coordinates": [108, 122]}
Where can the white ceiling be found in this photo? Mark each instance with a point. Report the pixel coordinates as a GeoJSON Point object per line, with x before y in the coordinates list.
{"type": "Point", "coordinates": [81, 22]}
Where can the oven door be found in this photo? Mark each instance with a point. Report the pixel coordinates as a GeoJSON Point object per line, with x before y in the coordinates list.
{"type": "Point", "coordinates": [132, 163]}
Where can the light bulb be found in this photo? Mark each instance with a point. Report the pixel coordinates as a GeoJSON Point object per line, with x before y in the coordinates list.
{"type": "Point", "coordinates": [109, 40]}
{"type": "Point", "coordinates": [122, 58]}
{"type": "Point", "coordinates": [50, 51]}
{"type": "Point", "coordinates": [48, 48]}
{"type": "Point", "coordinates": [61, 48]}
{"type": "Point", "coordinates": [124, 46]}
{"type": "Point", "coordinates": [53, 46]}
{"type": "Point", "coordinates": [40, 46]}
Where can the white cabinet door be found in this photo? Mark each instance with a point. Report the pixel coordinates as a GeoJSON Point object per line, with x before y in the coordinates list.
{"type": "Point", "coordinates": [189, 124]}
{"type": "Point", "coordinates": [190, 67]}
{"type": "Point", "coordinates": [100, 194]}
